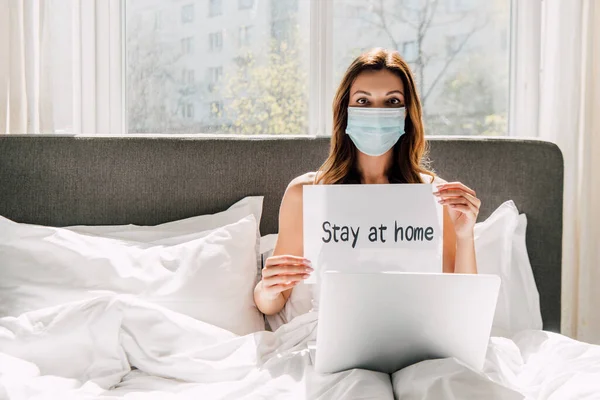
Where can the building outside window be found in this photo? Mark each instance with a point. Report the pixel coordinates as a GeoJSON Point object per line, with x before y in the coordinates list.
{"type": "Point", "coordinates": [409, 51]}
{"type": "Point", "coordinates": [187, 111]}
{"type": "Point", "coordinates": [187, 45]}
{"type": "Point", "coordinates": [245, 4]}
{"type": "Point", "coordinates": [215, 8]}
{"type": "Point", "coordinates": [215, 41]}
{"type": "Point", "coordinates": [187, 13]}
{"type": "Point", "coordinates": [188, 77]}
{"type": "Point", "coordinates": [245, 35]}
{"type": "Point", "coordinates": [216, 109]}
{"type": "Point", "coordinates": [463, 85]}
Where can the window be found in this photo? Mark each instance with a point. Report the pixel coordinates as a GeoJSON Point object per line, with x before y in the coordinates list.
{"type": "Point", "coordinates": [215, 7]}
{"type": "Point", "coordinates": [216, 109]}
{"type": "Point", "coordinates": [456, 44]}
{"type": "Point", "coordinates": [187, 13]}
{"type": "Point", "coordinates": [274, 80]}
{"type": "Point", "coordinates": [282, 9]}
{"type": "Point", "coordinates": [455, 6]}
{"type": "Point", "coordinates": [187, 45]}
{"type": "Point", "coordinates": [187, 111]}
{"type": "Point", "coordinates": [282, 31]}
{"type": "Point", "coordinates": [451, 44]}
{"type": "Point", "coordinates": [188, 77]}
{"type": "Point", "coordinates": [215, 74]}
{"type": "Point", "coordinates": [350, 11]}
{"type": "Point", "coordinates": [409, 51]}
{"type": "Point", "coordinates": [215, 41]}
{"type": "Point", "coordinates": [245, 4]}
{"type": "Point", "coordinates": [229, 92]}
{"type": "Point", "coordinates": [245, 35]}
{"type": "Point", "coordinates": [158, 20]}
{"type": "Point", "coordinates": [463, 74]}
{"type": "Point", "coordinates": [410, 4]}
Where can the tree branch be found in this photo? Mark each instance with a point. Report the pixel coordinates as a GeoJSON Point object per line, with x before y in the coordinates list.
{"type": "Point", "coordinates": [450, 60]}
{"type": "Point", "coordinates": [401, 18]}
{"type": "Point", "coordinates": [381, 15]}
{"type": "Point", "coordinates": [427, 23]}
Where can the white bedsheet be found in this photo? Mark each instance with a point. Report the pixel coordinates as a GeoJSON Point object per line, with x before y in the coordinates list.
{"type": "Point", "coordinates": [84, 351]}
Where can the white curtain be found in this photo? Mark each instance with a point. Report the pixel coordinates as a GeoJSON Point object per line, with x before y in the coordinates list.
{"type": "Point", "coordinates": [570, 117]}
{"type": "Point", "coordinates": [60, 66]}
{"type": "Point", "coordinates": [25, 98]}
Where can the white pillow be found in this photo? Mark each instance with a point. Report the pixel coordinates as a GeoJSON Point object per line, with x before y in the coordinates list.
{"type": "Point", "coordinates": [181, 231]}
{"type": "Point", "coordinates": [493, 249]}
{"type": "Point", "coordinates": [525, 298]}
{"type": "Point", "coordinates": [267, 245]}
{"type": "Point", "coordinates": [176, 232]}
{"type": "Point", "coordinates": [211, 278]}
{"type": "Point", "coordinates": [500, 249]}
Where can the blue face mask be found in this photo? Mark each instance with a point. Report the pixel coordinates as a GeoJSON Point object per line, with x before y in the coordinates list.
{"type": "Point", "coordinates": [375, 130]}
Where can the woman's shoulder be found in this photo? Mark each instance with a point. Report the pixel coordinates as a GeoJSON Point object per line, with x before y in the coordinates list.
{"type": "Point", "coordinates": [296, 185]}
{"type": "Point", "coordinates": [294, 189]}
{"type": "Point", "coordinates": [292, 198]}
{"type": "Point", "coordinates": [308, 178]}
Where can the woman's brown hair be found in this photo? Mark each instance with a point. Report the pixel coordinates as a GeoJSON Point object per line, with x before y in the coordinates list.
{"type": "Point", "coordinates": [410, 152]}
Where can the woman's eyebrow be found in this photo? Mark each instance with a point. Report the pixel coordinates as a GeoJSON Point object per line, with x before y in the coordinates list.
{"type": "Point", "coordinates": [387, 94]}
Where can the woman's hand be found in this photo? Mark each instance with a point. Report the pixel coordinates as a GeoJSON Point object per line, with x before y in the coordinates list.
{"type": "Point", "coordinates": [463, 207]}
{"type": "Point", "coordinates": [282, 273]}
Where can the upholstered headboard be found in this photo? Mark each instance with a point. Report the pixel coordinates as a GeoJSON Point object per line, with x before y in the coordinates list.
{"type": "Point", "coordinates": [65, 180]}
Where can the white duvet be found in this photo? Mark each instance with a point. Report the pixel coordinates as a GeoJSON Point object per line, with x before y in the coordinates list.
{"type": "Point", "coordinates": [118, 346]}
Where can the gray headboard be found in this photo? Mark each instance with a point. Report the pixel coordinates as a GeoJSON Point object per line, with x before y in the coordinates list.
{"type": "Point", "coordinates": [66, 180]}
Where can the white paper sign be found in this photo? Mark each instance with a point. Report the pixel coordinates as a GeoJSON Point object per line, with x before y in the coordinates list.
{"type": "Point", "coordinates": [393, 227]}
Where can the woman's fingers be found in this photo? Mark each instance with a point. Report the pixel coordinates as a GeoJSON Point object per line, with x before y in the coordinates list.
{"type": "Point", "coordinates": [454, 200]}
{"type": "Point", "coordinates": [282, 287]}
{"type": "Point", "coordinates": [285, 270]}
{"type": "Point", "coordinates": [279, 279]}
{"type": "Point", "coordinates": [449, 193]}
{"type": "Point", "coordinates": [456, 185]}
{"type": "Point", "coordinates": [286, 260]}
{"type": "Point", "coordinates": [464, 208]}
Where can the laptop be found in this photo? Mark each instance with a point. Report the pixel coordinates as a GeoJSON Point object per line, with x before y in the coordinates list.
{"type": "Point", "coordinates": [385, 321]}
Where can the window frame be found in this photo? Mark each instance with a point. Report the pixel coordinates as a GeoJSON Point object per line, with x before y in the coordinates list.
{"type": "Point", "coordinates": [244, 40]}
{"type": "Point", "coordinates": [524, 66]}
{"type": "Point", "coordinates": [214, 38]}
{"type": "Point", "coordinates": [412, 45]}
{"type": "Point", "coordinates": [242, 2]}
{"type": "Point", "coordinates": [187, 45]}
{"type": "Point", "coordinates": [213, 12]}
{"type": "Point", "coordinates": [188, 13]}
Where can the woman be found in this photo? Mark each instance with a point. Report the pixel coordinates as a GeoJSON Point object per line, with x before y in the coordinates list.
{"type": "Point", "coordinates": [377, 138]}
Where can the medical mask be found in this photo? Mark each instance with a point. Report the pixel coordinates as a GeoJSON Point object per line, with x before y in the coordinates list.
{"type": "Point", "coordinates": [375, 130]}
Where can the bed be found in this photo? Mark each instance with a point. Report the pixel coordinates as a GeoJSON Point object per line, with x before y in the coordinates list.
{"type": "Point", "coordinates": [95, 180]}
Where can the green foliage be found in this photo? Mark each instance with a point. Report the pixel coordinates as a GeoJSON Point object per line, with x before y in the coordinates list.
{"type": "Point", "coordinates": [466, 103]}
{"type": "Point", "coordinates": [267, 94]}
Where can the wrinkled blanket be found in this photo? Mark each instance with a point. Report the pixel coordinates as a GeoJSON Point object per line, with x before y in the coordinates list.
{"type": "Point", "coordinates": [119, 346]}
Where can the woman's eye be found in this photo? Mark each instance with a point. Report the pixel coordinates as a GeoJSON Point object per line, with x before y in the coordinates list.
{"type": "Point", "coordinates": [394, 101]}
{"type": "Point", "coordinates": [362, 100]}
